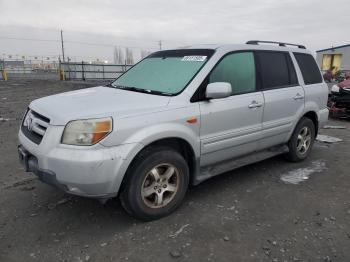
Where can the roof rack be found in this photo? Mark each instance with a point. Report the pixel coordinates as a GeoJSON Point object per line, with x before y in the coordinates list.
{"type": "Point", "coordinates": [256, 42]}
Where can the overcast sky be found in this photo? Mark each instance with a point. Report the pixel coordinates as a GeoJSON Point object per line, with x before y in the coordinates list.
{"type": "Point", "coordinates": [140, 24]}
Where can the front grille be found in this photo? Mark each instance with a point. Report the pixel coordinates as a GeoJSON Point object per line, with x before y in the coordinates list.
{"type": "Point", "coordinates": [34, 126]}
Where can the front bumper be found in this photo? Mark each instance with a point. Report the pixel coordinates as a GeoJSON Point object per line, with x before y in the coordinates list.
{"type": "Point", "coordinates": [95, 171]}
{"type": "Point", "coordinates": [30, 164]}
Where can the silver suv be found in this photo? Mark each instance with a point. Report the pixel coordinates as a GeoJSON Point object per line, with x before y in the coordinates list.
{"type": "Point", "coordinates": [175, 119]}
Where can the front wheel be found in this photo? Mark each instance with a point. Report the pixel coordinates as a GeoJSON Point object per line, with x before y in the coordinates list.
{"type": "Point", "coordinates": [302, 140]}
{"type": "Point", "coordinates": [156, 183]}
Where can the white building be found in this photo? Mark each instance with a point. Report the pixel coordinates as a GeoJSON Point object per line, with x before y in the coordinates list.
{"type": "Point", "coordinates": [337, 57]}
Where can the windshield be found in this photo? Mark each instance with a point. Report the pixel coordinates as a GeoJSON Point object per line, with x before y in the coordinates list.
{"type": "Point", "coordinates": [164, 72]}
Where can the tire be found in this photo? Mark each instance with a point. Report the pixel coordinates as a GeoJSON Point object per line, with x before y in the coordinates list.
{"type": "Point", "coordinates": [155, 184]}
{"type": "Point", "coordinates": [304, 131]}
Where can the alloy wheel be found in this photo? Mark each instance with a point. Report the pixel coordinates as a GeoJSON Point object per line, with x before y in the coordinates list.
{"type": "Point", "coordinates": [160, 185]}
{"type": "Point", "coordinates": [303, 140]}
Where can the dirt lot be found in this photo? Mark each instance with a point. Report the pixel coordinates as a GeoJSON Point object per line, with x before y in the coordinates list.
{"type": "Point", "coordinates": [250, 214]}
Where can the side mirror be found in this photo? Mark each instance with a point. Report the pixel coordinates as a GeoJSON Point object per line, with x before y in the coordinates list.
{"type": "Point", "coordinates": [218, 90]}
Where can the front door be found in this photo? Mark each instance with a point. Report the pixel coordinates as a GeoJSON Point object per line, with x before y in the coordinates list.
{"type": "Point", "coordinates": [230, 127]}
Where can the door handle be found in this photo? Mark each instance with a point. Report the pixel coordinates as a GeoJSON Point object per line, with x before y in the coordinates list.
{"type": "Point", "coordinates": [255, 104]}
{"type": "Point", "coordinates": [298, 97]}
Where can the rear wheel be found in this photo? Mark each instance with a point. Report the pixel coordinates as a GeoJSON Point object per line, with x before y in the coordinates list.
{"type": "Point", "coordinates": [156, 183]}
{"type": "Point", "coordinates": [302, 140]}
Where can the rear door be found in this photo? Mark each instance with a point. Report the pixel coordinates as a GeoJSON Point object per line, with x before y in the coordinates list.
{"type": "Point", "coordinates": [231, 126]}
{"type": "Point", "coordinates": [316, 91]}
{"type": "Point", "coordinates": [284, 97]}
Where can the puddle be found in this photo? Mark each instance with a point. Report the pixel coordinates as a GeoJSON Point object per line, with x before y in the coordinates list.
{"type": "Point", "coordinates": [322, 145]}
{"type": "Point", "coordinates": [328, 139]}
{"type": "Point", "coordinates": [334, 127]}
{"type": "Point", "coordinates": [299, 175]}
{"type": "Point", "coordinates": [16, 84]}
{"type": "Point", "coordinates": [4, 119]}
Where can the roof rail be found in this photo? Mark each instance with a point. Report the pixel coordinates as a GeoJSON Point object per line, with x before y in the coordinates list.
{"type": "Point", "coordinates": [256, 42]}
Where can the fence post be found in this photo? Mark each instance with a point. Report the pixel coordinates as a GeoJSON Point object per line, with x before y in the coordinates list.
{"type": "Point", "coordinates": [3, 71]}
{"type": "Point", "coordinates": [61, 71]}
{"type": "Point", "coordinates": [4, 75]}
{"type": "Point", "coordinates": [69, 68]}
{"type": "Point", "coordinates": [62, 75]}
{"type": "Point", "coordinates": [103, 72]}
{"type": "Point", "coordinates": [125, 66]}
{"type": "Point", "coordinates": [82, 70]}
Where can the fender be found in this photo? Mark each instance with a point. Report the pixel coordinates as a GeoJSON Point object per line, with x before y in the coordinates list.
{"type": "Point", "coordinates": [310, 109]}
{"type": "Point", "coordinates": [147, 135]}
{"type": "Point", "coordinates": [157, 132]}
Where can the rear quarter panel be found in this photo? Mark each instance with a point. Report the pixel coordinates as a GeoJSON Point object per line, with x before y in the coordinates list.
{"type": "Point", "coordinates": [316, 97]}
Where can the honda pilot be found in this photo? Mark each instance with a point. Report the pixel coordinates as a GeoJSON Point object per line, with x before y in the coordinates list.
{"type": "Point", "coordinates": [175, 119]}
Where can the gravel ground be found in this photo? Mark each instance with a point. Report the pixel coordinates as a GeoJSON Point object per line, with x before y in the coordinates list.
{"type": "Point", "coordinates": [254, 213]}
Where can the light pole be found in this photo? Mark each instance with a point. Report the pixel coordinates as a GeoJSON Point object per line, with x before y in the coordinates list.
{"type": "Point", "coordinates": [62, 46]}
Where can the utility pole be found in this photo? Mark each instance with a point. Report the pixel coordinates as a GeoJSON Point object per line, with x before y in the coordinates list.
{"type": "Point", "coordinates": [62, 46]}
{"type": "Point", "coordinates": [160, 44]}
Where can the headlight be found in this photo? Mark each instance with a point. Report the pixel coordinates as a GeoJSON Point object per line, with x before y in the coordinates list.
{"type": "Point", "coordinates": [87, 132]}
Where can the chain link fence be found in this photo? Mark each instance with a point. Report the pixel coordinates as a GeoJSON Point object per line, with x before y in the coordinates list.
{"type": "Point", "coordinates": [57, 70]}
{"type": "Point", "coordinates": [29, 69]}
{"type": "Point", "coordinates": [89, 71]}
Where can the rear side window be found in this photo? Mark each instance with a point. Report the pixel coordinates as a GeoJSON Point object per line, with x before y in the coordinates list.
{"type": "Point", "coordinates": [308, 68]}
{"type": "Point", "coordinates": [238, 69]}
{"type": "Point", "coordinates": [276, 69]}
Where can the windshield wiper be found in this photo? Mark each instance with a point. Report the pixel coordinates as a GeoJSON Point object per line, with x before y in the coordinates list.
{"type": "Point", "coordinates": [110, 85]}
{"type": "Point", "coordinates": [141, 90]}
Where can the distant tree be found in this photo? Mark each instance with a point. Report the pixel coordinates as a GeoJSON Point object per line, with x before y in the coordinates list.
{"type": "Point", "coordinates": [129, 56]}
{"type": "Point", "coordinates": [145, 53]}
{"type": "Point", "coordinates": [115, 55]}
{"type": "Point", "coordinates": [118, 56]}
{"type": "Point", "coordinates": [121, 56]}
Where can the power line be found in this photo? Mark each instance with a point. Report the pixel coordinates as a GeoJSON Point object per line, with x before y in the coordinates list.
{"type": "Point", "coordinates": [72, 42]}
{"type": "Point", "coordinates": [108, 45]}
{"type": "Point", "coordinates": [29, 39]}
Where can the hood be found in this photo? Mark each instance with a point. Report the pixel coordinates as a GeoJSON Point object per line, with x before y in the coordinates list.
{"type": "Point", "coordinates": [97, 102]}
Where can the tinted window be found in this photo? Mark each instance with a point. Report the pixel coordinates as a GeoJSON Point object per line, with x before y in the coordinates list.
{"type": "Point", "coordinates": [238, 69]}
{"type": "Point", "coordinates": [276, 69]}
{"type": "Point", "coordinates": [164, 72]}
{"type": "Point", "coordinates": [309, 69]}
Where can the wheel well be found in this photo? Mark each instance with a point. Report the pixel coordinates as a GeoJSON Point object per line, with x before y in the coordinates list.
{"type": "Point", "coordinates": [181, 146]}
{"type": "Point", "coordinates": [313, 116]}
{"type": "Point", "coordinates": [178, 144]}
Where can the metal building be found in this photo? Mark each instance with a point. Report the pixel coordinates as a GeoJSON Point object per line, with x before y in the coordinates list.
{"type": "Point", "coordinates": [337, 57]}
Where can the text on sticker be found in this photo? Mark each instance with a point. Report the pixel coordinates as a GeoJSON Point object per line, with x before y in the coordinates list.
{"type": "Point", "coordinates": [195, 58]}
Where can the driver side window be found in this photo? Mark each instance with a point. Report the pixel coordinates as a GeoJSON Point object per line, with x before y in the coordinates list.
{"type": "Point", "coordinates": [238, 69]}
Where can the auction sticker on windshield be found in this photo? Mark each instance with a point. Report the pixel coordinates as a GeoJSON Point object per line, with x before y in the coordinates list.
{"type": "Point", "coordinates": [194, 58]}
